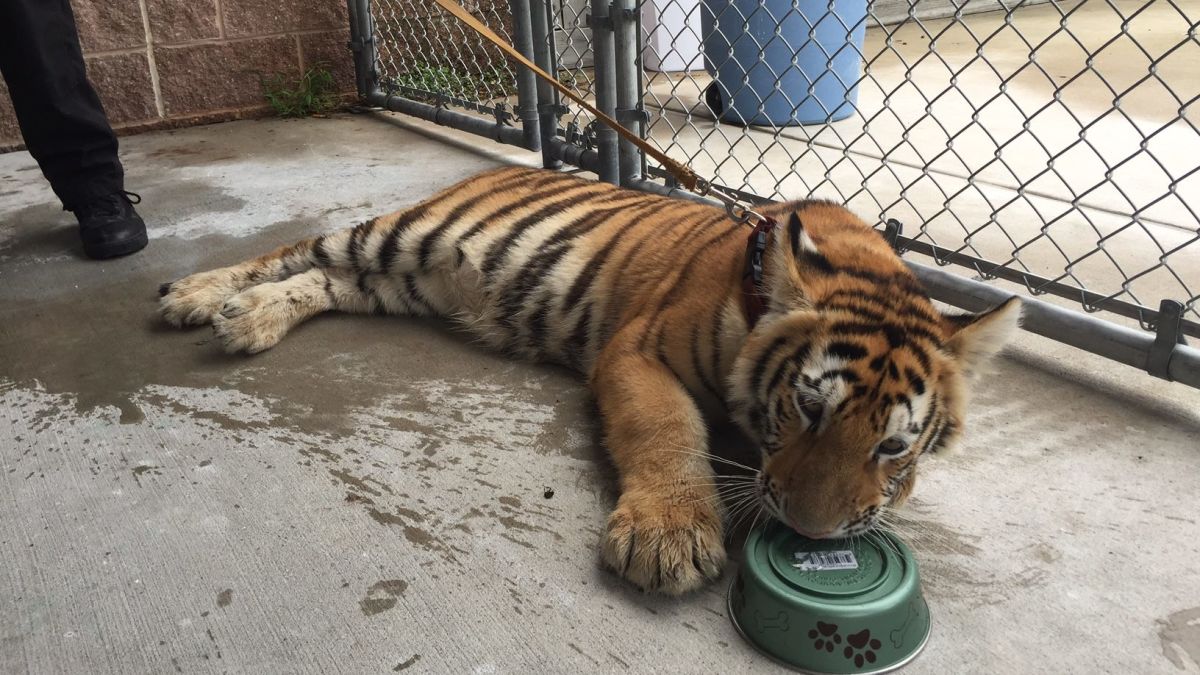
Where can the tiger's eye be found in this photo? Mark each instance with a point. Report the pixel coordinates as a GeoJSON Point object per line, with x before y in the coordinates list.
{"type": "Point", "coordinates": [813, 410]}
{"type": "Point", "coordinates": [892, 446]}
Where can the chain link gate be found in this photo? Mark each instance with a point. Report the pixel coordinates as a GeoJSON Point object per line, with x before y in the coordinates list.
{"type": "Point", "coordinates": [1038, 147]}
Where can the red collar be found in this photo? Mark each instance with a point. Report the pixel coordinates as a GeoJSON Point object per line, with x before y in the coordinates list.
{"type": "Point", "coordinates": [754, 302]}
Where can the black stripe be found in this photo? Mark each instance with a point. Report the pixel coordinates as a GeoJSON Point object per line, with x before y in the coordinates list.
{"type": "Point", "coordinates": [374, 304]}
{"type": "Point", "coordinates": [537, 327]}
{"type": "Point", "coordinates": [425, 248]}
{"type": "Point", "coordinates": [533, 273]}
{"type": "Point", "coordinates": [914, 381]}
{"type": "Point", "coordinates": [677, 286]}
{"type": "Point", "coordinates": [922, 358]}
{"type": "Point", "coordinates": [846, 374]}
{"type": "Point", "coordinates": [896, 335]}
{"type": "Point", "coordinates": [354, 246]}
{"type": "Point", "coordinates": [795, 228]}
{"type": "Point", "coordinates": [862, 312]}
{"type": "Point", "coordinates": [893, 371]}
{"type": "Point", "coordinates": [498, 251]}
{"type": "Point", "coordinates": [329, 290]}
{"type": "Point", "coordinates": [588, 275]}
{"type": "Point", "coordinates": [390, 246]}
{"type": "Point", "coordinates": [577, 342]}
{"type": "Point", "coordinates": [537, 193]}
{"type": "Point", "coordinates": [814, 260]}
{"type": "Point", "coordinates": [415, 296]}
{"type": "Point", "coordinates": [946, 430]}
{"type": "Point", "coordinates": [320, 254]}
{"type": "Point", "coordinates": [846, 350]}
{"type": "Point", "coordinates": [795, 359]}
{"type": "Point", "coordinates": [764, 359]}
{"type": "Point", "coordinates": [613, 309]}
{"type": "Point", "coordinates": [892, 305]}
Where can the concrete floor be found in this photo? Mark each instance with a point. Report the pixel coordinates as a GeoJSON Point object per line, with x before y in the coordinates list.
{"type": "Point", "coordinates": [372, 495]}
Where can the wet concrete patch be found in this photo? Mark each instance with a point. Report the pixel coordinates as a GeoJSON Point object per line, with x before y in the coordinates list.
{"type": "Point", "coordinates": [1179, 635]}
{"type": "Point", "coordinates": [382, 596]}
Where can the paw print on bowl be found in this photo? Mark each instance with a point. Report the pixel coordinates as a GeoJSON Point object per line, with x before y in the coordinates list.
{"type": "Point", "coordinates": [825, 636]}
{"type": "Point", "coordinates": [860, 647]}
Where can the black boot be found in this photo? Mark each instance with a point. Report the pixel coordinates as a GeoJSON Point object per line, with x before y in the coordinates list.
{"type": "Point", "coordinates": [109, 227]}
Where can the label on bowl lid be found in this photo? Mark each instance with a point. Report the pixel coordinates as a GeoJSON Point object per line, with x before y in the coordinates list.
{"type": "Point", "coordinates": [822, 561]}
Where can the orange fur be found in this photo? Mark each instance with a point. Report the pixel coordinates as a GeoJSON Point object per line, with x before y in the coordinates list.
{"type": "Point", "coordinates": [642, 294]}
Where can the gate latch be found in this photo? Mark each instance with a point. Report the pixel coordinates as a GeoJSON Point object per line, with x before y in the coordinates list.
{"type": "Point", "coordinates": [1167, 333]}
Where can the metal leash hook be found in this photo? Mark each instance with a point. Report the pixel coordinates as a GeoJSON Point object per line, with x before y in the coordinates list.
{"type": "Point", "coordinates": [737, 211]}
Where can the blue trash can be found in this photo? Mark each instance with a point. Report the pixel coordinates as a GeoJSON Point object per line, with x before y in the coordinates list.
{"type": "Point", "coordinates": [765, 55]}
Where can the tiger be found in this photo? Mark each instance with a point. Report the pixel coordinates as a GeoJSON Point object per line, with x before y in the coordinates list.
{"type": "Point", "coordinates": [831, 359]}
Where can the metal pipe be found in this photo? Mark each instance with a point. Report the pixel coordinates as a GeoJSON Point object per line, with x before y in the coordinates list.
{"type": "Point", "coordinates": [574, 155]}
{"type": "Point", "coordinates": [547, 99]}
{"type": "Point", "coordinates": [527, 99]}
{"type": "Point", "coordinates": [448, 118]}
{"type": "Point", "coordinates": [362, 44]}
{"type": "Point", "coordinates": [629, 86]}
{"type": "Point", "coordinates": [1121, 344]}
{"type": "Point", "coordinates": [604, 62]}
{"type": "Point", "coordinates": [1083, 331]}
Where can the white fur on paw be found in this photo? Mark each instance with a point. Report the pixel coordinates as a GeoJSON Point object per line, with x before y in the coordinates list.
{"type": "Point", "coordinates": [195, 300]}
{"type": "Point", "coordinates": [254, 320]}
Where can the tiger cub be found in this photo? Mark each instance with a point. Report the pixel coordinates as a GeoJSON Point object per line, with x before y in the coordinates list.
{"type": "Point", "coordinates": [834, 362]}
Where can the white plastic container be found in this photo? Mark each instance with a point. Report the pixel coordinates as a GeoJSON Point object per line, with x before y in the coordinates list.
{"type": "Point", "coordinates": [672, 31]}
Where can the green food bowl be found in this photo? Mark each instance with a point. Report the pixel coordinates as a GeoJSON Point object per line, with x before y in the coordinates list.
{"type": "Point", "coordinates": [829, 605]}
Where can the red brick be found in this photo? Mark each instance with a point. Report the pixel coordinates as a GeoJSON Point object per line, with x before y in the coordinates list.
{"type": "Point", "coordinates": [123, 83]}
{"type": "Point", "coordinates": [200, 78]}
{"type": "Point", "coordinates": [329, 51]}
{"type": "Point", "coordinates": [108, 24]}
{"type": "Point", "coordinates": [264, 17]}
{"type": "Point", "coordinates": [175, 21]}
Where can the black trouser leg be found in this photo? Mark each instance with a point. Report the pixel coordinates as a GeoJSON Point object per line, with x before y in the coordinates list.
{"type": "Point", "coordinates": [60, 115]}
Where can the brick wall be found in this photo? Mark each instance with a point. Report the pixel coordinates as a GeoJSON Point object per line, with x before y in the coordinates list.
{"type": "Point", "coordinates": [161, 63]}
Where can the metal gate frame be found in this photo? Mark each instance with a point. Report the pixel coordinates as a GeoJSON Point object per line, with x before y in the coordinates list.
{"type": "Point", "coordinates": [617, 88]}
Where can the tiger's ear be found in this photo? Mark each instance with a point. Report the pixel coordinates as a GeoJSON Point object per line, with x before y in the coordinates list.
{"type": "Point", "coordinates": [792, 257]}
{"type": "Point", "coordinates": [976, 338]}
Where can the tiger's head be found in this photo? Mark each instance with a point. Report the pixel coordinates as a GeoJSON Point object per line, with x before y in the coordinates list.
{"type": "Point", "coordinates": [852, 375]}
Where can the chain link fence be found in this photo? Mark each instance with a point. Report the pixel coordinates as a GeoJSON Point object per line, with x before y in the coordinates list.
{"type": "Point", "coordinates": [1049, 147]}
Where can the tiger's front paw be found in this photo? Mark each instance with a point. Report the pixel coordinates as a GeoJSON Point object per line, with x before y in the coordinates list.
{"type": "Point", "coordinates": [196, 299]}
{"type": "Point", "coordinates": [667, 544]}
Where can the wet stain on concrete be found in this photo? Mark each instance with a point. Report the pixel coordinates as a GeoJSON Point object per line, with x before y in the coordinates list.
{"type": "Point", "coordinates": [582, 653]}
{"type": "Point", "coordinates": [1179, 635]}
{"type": "Point", "coordinates": [144, 469]}
{"type": "Point", "coordinates": [225, 598]}
{"type": "Point", "coordinates": [405, 665]}
{"type": "Point", "coordinates": [382, 596]}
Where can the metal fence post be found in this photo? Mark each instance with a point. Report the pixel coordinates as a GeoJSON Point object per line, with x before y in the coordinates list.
{"type": "Point", "coordinates": [629, 86]}
{"type": "Point", "coordinates": [547, 97]}
{"type": "Point", "coordinates": [605, 64]}
{"type": "Point", "coordinates": [362, 44]}
{"type": "Point", "coordinates": [527, 95]}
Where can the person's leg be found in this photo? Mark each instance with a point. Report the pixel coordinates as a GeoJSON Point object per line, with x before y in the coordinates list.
{"type": "Point", "coordinates": [63, 123]}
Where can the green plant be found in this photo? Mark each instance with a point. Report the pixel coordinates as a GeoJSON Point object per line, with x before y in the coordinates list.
{"type": "Point", "coordinates": [493, 81]}
{"type": "Point", "coordinates": [313, 93]}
